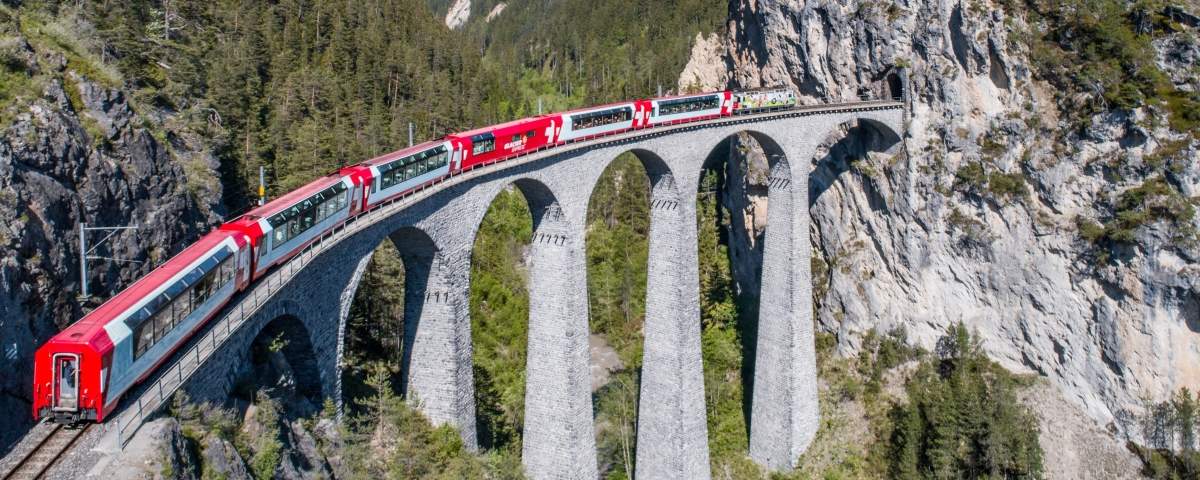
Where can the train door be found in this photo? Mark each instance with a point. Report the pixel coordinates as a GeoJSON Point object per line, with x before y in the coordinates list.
{"type": "Point", "coordinates": [243, 264]}
{"type": "Point", "coordinates": [66, 382]}
{"type": "Point", "coordinates": [455, 156]}
{"type": "Point", "coordinates": [356, 196]}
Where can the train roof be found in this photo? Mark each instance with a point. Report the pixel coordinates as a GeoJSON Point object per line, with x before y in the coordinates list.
{"type": "Point", "coordinates": [85, 330]}
{"type": "Point", "coordinates": [689, 95]}
{"type": "Point", "coordinates": [503, 126]}
{"type": "Point", "coordinates": [403, 152]}
{"type": "Point", "coordinates": [601, 107]}
{"type": "Point", "coordinates": [288, 199]}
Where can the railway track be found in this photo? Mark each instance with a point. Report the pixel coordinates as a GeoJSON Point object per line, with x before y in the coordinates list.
{"type": "Point", "coordinates": [31, 459]}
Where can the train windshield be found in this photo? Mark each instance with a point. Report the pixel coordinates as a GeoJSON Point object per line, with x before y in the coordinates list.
{"type": "Point", "coordinates": [68, 382]}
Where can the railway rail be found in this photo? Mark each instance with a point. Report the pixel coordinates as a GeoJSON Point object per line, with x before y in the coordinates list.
{"type": "Point", "coordinates": [31, 459]}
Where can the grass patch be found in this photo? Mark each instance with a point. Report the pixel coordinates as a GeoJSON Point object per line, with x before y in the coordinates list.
{"type": "Point", "coordinates": [59, 34]}
{"type": "Point", "coordinates": [974, 179]}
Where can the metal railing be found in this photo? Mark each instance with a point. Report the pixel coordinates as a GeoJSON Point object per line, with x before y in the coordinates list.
{"type": "Point", "coordinates": [172, 377]}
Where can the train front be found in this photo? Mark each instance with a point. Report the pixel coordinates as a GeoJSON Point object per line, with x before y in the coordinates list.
{"type": "Point", "coordinates": [68, 383]}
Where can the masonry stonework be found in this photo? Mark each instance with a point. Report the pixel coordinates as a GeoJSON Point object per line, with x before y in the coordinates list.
{"type": "Point", "coordinates": [435, 236]}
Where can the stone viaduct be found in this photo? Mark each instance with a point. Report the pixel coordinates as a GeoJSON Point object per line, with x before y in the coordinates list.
{"type": "Point", "coordinates": [434, 231]}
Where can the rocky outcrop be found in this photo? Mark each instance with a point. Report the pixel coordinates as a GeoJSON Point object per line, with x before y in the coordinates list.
{"type": "Point", "coordinates": [904, 243]}
{"type": "Point", "coordinates": [458, 14]}
{"type": "Point", "coordinates": [158, 452]}
{"type": "Point", "coordinates": [79, 151]}
{"type": "Point", "coordinates": [222, 460]}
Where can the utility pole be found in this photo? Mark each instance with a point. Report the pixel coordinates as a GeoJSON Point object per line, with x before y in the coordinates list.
{"type": "Point", "coordinates": [85, 252]}
{"type": "Point", "coordinates": [659, 90]}
{"type": "Point", "coordinates": [410, 134]}
{"type": "Point", "coordinates": [262, 186]}
{"type": "Point", "coordinates": [539, 105]}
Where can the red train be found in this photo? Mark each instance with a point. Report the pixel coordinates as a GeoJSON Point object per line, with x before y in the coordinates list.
{"type": "Point", "coordinates": [81, 373]}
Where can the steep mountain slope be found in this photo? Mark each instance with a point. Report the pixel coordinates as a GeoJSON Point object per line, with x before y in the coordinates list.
{"type": "Point", "coordinates": [76, 147]}
{"type": "Point", "coordinates": [1046, 191]}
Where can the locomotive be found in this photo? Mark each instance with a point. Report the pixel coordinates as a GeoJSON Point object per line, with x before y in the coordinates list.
{"type": "Point", "coordinates": [81, 373]}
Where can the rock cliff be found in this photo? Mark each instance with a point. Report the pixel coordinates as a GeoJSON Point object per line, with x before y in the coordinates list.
{"type": "Point", "coordinates": [983, 217]}
{"type": "Point", "coordinates": [75, 148]}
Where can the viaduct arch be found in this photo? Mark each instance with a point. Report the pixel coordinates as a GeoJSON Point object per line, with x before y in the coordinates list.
{"type": "Point", "coordinates": [435, 230]}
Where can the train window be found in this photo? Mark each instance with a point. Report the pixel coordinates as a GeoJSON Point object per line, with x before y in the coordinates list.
{"type": "Point", "coordinates": [484, 146]}
{"type": "Point", "coordinates": [601, 118]}
{"type": "Point", "coordinates": [66, 380]}
{"type": "Point", "coordinates": [342, 200]}
{"type": "Point", "coordinates": [162, 325]}
{"type": "Point", "coordinates": [199, 295]}
{"type": "Point", "coordinates": [143, 338]}
{"type": "Point", "coordinates": [180, 309]}
{"type": "Point", "coordinates": [226, 271]}
{"type": "Point", "coordinates": [685, 105]}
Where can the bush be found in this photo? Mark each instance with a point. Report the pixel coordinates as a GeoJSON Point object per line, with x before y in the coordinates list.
{"type": "Point", "coordinates": [970, 178]}
{"type": "Point", "coordinates": [881, 353]}
{"type": "Point", "coordinates": [1007, 185]}
{"type": "Point", "coordinates": [1154, 200]}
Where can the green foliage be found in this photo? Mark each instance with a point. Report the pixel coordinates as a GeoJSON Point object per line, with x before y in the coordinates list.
{"type": "Point", "coordinates": [970, 177]}
{"type": "Point", "coordinates": [1155, 200]}
{"type": "Point", "coordinates": [962, 419]}
{"type": "Point", "coordinates": [723, 342]}
{"type": "Point", "coordinates": [617, 248]}
{"type": "Point", "coordinates": [1168, 430]}
{"type": "Point", "coordinates": [375, 325]}
{"type": "Point", "coordinates": [973, 179]}
{"type": "Point", "coordinates": [500, 320]}
{"type": "Point", "coordinates": [266, 449]}
{"type": "Point", "coordinates": [399, 442]}
{"type": "Point", "coordinates": [880, 353]}
{"type": "Point", "coordinates": [592, 51]}
{"type": "Point", "coordinates": [973, 232]}
{"type": "Point", "coordinates": [1103, 49]}
{"type": "Point", "coordinates": [1007, 185]}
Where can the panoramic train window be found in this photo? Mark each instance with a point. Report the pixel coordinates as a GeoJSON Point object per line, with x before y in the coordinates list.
{"type": "Point", "coordinates": [685, 105]}
{"type": "Point", "coordinates": [411, 167]}
{"type": "Point", "coordinates": [307, 214]}
{"type": "Point", "coordinates": [601, 118]}
{"type": "Point", "coordinates": [170, 314]}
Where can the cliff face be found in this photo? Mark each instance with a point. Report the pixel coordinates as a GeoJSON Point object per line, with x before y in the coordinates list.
{"type": "Point", "coordinates": [978, 220]}
{"type": "Point", "coordinates": [73, 150]}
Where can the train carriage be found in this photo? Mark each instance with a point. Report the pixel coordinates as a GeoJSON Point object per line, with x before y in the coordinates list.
{"type": "Point", "coordinates": [690, 108]}
{"type": "Point", "coordinates": [506, 140]}
{"type": "Point", "coordinates": [605, 119]}
{"type": "Point", "coordinates": [82, 372]}
{"type": "Point", "coordinates": [747, 101]}
{"type": "Point", "coordinates": [284, 226]}
{"type": "Point", "coordinates": [389, 175]}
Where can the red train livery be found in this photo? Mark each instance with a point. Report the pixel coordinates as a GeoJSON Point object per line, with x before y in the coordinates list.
{"type": "Point", "coordinates": [81, 373]}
